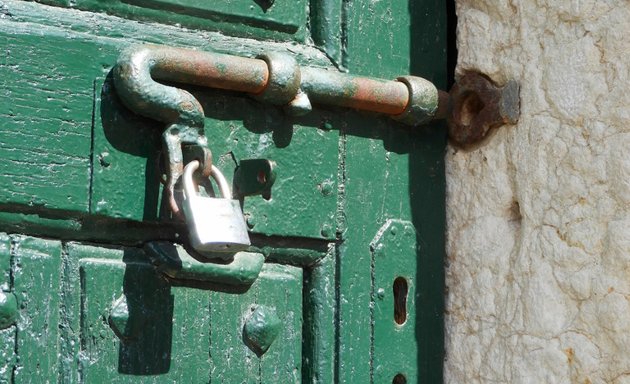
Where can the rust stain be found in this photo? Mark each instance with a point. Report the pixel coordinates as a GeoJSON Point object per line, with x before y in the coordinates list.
{"type": "Point", "coordinates": [389, 97]}
{"type": "Point", "coordinates": [211, 70]}
{"type": "Point", "coordinates": [570, 355]}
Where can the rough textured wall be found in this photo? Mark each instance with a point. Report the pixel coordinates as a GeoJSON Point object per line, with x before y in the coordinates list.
{"type": "Point", "coordinates": [538, 268]}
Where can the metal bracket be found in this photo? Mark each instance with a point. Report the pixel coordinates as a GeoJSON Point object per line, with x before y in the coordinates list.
{"type": "Point", "coordinates": [397, 297]}
{"type": "Point", "coordinates": [478, 106]}
{"type": "Point", "coordinates": [274, 77]}
{"type": "Point", "coordinates": [176, 263]}
{"type": "Point", "coordinates": [254, 177]}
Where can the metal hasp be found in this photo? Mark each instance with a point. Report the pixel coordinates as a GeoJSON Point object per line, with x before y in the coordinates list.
{"type": "Point", "coordinates": [478, 105]}
{"type": "Point", "coordinates": [273, 77]}
{"type": "Point", "coordinates": [474, 107]}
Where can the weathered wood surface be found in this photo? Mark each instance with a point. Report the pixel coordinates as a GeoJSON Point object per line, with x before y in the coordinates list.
{"type": "Point", "coordinates": [404, 180]}
{"type": "Point", "coordinates": [285, 21]}
{"type": "Point", "coordinates": [171, 334]}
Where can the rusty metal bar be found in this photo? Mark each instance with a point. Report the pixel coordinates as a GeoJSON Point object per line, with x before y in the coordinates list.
{"type": "Point", "coordinates": [335, 88]}
{"type": "Point", "coordinates": [212, 70]}
{"type": "Point", "coordinates": [274, 78]}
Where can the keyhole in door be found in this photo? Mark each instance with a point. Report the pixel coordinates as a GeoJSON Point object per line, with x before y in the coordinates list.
{"type": "Point", "coordinates": [400, 289]}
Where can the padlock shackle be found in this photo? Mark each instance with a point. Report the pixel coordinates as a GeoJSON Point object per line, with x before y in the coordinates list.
{"type": "Point", "coordinates": [223, 184]}
{"type": "Point", "coordinates": [189, 186]}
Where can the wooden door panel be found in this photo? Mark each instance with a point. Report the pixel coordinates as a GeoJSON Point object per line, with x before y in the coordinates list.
{"type": "Point", "coordinates": [86, 153]}
{"type": "Point", "coordinates": [8, 357]}
{"type": "Point", "coordinates": [108, 312]}
{"type": "Point", "coordinates": [279, 291]}
{"type": "Point", "coordinates": [36, 266]}
{"type": "Point", "coordinates": [45, 121]}
{"type": "Point", "coordinates": [77, 165]}
{"type": "Point", "coordinates": [135, 327]}
{"type": "Point", "coordinates": [178, 333]}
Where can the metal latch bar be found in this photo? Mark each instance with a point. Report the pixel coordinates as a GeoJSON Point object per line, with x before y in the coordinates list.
{"type": "Point", "coordinates": [474, 108]}
{"type": "Point", "coordinates": [274, 78]}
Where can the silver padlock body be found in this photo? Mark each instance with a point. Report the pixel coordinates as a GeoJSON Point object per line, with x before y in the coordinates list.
{"type": "Point", "coordinates": [215, 224]}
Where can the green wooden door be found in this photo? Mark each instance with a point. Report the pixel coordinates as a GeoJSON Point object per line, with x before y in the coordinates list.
{"type": "Point", "coordinates": [353, 235]}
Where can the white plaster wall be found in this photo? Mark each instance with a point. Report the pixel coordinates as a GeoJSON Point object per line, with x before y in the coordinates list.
{"type": "Point", "coordinates": [538, 268]}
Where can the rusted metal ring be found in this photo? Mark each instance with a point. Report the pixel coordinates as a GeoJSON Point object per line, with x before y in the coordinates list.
{"type": "Point", "coordinates": [423, 101]}
{"type": "Point", "coordinates": [202, 154]}
{"type": "Point", "coordinates": [478, 106]}
{"type": "Point", "coordinates": [284, 79]}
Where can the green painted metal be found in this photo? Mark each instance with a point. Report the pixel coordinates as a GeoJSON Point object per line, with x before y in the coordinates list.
{"type": "Point", "coordinates": [176, 263]}
{"type": "Point", "coordinates": [77, 165]}
{"type": "Point", "coordinates": [261, 329]}
{"type": "Point", "coordinates": [275, 78]}
{"type": "Point", "coordinates": [394, 343]}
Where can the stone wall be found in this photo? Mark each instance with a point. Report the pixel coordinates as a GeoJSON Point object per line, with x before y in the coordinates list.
{"type": "Point", "coordinates": [538, 268]}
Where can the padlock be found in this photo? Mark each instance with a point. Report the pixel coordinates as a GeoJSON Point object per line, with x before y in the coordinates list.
{"type": "Point", "coordinates": [216, 224]}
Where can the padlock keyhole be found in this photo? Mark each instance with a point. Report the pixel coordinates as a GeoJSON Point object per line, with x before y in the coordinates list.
{"type": "Point", "coordinates": [262, 177]}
